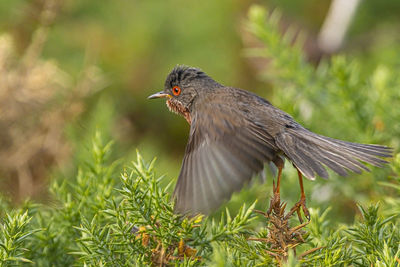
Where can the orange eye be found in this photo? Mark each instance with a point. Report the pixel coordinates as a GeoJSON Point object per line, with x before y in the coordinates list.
{"type": "Point", "coordinates": [176, 90]}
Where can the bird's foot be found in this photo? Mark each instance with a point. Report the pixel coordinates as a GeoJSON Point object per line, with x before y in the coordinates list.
{"type": "Point", "coordinates": [301, 204]}
{"type": "Point", "coordinates": [275, 203]}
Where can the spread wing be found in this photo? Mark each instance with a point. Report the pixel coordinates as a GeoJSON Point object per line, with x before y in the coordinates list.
{"type": "Point", "coordinates": [221, 155]}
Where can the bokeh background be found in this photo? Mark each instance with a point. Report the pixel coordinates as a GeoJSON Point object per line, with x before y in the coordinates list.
{"type": "Point", "coordinates": [70, 68]}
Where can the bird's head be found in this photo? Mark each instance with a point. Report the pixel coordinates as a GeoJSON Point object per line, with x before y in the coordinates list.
{"type": "Point", "coordinates": [182, 87]}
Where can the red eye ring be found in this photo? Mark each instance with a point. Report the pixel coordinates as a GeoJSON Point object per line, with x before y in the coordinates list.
{"type": "Point", "coordinates": [176, 90]}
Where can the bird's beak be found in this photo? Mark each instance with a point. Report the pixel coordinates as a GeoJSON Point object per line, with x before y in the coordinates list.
{"type": "Point", "coordinates": [159, 95]}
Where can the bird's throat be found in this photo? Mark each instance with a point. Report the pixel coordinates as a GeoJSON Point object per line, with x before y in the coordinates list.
{"type": "Point", "coordinates": [178, 108]}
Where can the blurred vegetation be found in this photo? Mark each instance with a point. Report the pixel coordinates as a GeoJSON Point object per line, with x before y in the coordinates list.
{"type": "Point", "coordinates": [71, 68]}
{"type": "Point", "coordinates": [99, 220]}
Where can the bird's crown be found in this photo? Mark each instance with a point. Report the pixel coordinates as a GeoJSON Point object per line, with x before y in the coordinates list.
{"type": "Point", "coordinates": [183, 74]}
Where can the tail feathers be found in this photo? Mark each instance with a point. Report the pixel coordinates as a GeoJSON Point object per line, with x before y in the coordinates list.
{"type": "Point", "coordinates": [309, 152]}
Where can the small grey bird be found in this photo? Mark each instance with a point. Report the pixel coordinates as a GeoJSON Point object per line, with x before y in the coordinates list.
{"type": "Point", "coordinates": [233, 133]}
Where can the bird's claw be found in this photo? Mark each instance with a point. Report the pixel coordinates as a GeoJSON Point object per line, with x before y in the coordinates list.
{"type": "Point", "coordinates": [275, 202]}
{"type": "Point", "coordinates": [305, 210]}
{"type": "Point", "coordinates": [296, 208]}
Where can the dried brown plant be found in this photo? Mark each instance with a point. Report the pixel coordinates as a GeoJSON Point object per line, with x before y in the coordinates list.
{"type": "Point", "coordinates": [281, 236]}
{"type": "Point", "coordinates": [37, 99]}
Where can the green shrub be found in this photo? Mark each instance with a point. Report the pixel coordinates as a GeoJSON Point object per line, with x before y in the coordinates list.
{"type": "Point", "coordinates": [101, 218]}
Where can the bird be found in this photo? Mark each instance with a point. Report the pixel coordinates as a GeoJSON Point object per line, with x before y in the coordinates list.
{"type": "Point", "coordinates": [234, 133]}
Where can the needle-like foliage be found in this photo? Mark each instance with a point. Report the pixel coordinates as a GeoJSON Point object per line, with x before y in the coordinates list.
{"type": "Point", "coordinates": [114, 214]}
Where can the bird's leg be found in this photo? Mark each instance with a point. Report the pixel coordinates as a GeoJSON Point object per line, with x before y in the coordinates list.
{"type": "Point", "coordinates": [302, 202]}
{"type": "Point", "coordinates": [276, 198]}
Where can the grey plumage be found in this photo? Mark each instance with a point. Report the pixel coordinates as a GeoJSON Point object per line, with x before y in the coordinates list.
{"type": "Point", "coordinates": [234, 133]}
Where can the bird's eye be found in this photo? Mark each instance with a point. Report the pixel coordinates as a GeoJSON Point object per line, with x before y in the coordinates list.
{"type": "Point", "coordinates": [176, 90]}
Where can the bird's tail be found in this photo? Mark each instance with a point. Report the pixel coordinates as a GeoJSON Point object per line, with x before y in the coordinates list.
{"type": "Point", "coordinates": [309, 152]}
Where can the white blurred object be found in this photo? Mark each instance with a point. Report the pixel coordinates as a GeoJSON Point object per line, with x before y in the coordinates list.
{"type": "Point", "coordinates": [336, 23]}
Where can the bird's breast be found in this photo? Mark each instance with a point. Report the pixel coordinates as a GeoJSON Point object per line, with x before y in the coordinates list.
{"type": "Point", "coordinates": [176, 107]}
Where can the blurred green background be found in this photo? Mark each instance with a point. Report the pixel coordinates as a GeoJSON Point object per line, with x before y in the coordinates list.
{"type": "Point", "coordinates": [69, 68]}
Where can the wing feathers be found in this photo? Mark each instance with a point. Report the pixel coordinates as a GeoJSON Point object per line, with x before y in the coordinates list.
{"type": "Point", "coordinates": [213, 186]}
{"type": "Point", "coordinates": [212, 171]}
